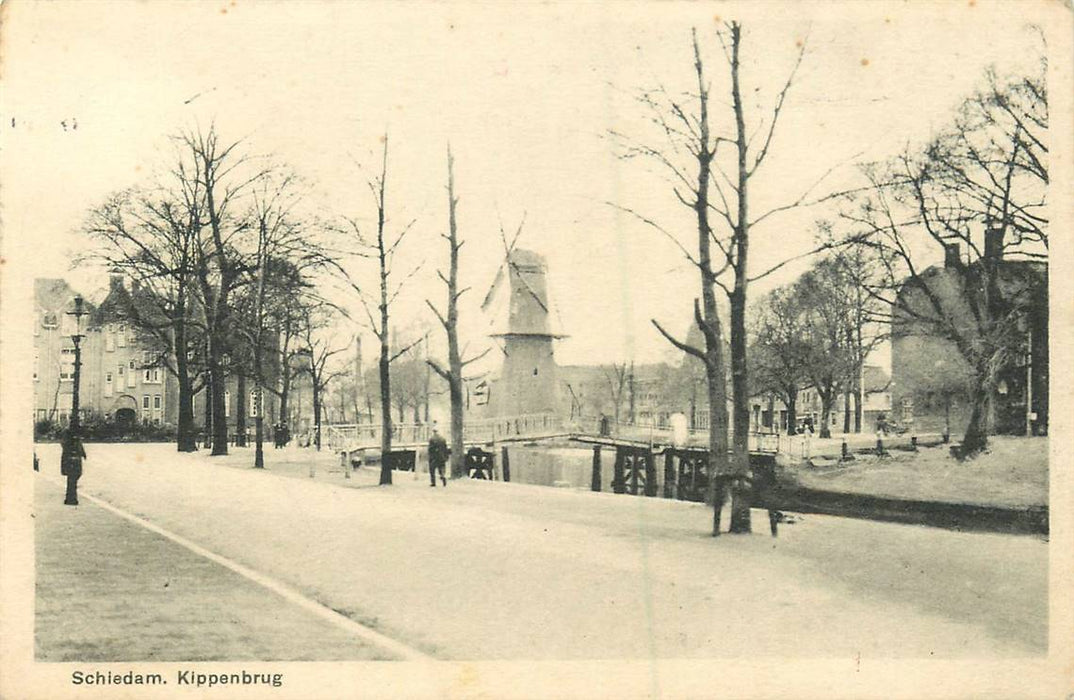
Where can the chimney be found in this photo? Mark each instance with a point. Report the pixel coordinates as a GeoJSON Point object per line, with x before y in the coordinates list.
{"type": "Point", "coordinates": [115, 279]}
{"type": "Point", "coordinates": [952, 255]}
{"type": "Point", "coordinates": [993, 243]}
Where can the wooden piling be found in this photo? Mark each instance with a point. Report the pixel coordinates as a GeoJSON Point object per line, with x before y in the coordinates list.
{"type": "Point", "coordinates": [596, 482]}
{"type": "Point", "coordinates": [669, 475]}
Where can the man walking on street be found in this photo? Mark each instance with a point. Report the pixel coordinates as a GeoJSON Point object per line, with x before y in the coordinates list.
{"type": "Point", "coordinates": [438, 456]}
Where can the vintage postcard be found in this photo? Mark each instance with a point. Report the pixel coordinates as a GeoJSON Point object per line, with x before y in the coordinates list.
{"type": "Point", "coordinates": [536, 350]}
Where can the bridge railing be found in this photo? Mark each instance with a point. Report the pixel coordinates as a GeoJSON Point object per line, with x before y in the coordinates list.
{"type": "Point", "coordinates": [343, 436]}
{"type": "Point", "coordinates": [348, 436]}
{"type": "Point", "coordinates": [526, 425]}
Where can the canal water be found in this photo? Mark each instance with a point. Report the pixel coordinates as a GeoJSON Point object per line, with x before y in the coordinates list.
{"type": "Point", "coordinates": [562, 466]}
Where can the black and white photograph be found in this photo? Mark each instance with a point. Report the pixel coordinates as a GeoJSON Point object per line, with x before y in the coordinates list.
{"type": "Point", "coordinates": [538, 350]}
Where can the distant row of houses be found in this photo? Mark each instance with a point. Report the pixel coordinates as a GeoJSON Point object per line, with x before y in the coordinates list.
{"type": "Point", "coordinates": [652, 393]}
{"type": "Point", "coordinates": [125, 382]}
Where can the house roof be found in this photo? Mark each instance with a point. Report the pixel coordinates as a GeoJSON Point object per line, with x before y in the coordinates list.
{"type": "Point", "coordinates": [53, 295]}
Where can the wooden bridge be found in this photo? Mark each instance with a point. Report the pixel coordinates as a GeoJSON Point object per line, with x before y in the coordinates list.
{"type": "Point", "coordinates": [532, 428]}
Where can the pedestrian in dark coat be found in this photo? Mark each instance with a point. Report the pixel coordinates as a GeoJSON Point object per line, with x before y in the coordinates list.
{"type": "Point", "coordinates": [438, 456]}
{"type": "Point", "coordinates": [71, 455]}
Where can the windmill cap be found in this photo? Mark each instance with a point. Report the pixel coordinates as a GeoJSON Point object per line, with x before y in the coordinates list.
{"type": "Point", "coordinates": [521, 256]}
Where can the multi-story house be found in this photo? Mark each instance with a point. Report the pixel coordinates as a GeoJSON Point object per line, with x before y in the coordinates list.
{"type": "Point", "coordinates": [120, 380]}
{"type": "Point", "coordinates": [932, 382]}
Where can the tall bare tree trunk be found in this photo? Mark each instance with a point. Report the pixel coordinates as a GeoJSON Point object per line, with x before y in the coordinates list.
{"type": "Point", "coordinates": [384, 365]}
{"type": "Point", "coordinates": [240, 410]}
{"type": "Point", "coordinates": [740, 506]}
{"type": "Point", "coordinates": [826, 415]}
{"type": "Point", "coordinates": [708, 318]}
{"type": "Point", "coordinates": [208, 411]}
{"type": "Point", "coordinates": [981, 420]}
{"type": "Point", "coordinates": [186, 432]}
{"type": "Point", "coordinates": [847, 394]}
{"type": "Point", "coordinates": [859, 407]}
{"type": "Point", "coordinates": [218, 381]}
{"type": "Point", "coordinates": [450, 321]}
{"type": "Point", "coordinates": [317, 415]}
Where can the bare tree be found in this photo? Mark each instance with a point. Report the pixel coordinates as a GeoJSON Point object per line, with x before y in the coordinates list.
{"type": "Point", "coordinates": [318, 349]}
{"type": "Point", "coordinates": [780, 349]}
{"type": "Point", "coordinates": [383, 249]}
{"type": "Point", "coordinates": [694, 138]}
{"type": "Point", "coordinates": [220, 175]}
{"type": "Point", "coordinates": [151, 236]}
{"type": "Point", "coordinates": [858, 271]}
{"type": "Point", "coordinates": [617, 377]}
{"type": "Point", "coordinates": [286, 255]}
{"type": "Point", "coordinates": [722, 191]}
{"type": "Point", "coordinates": [830, 359]}
{"type": "Point", "coordinates": [449, 319]}
{"type": "Point", "coordinates": [409, 372]}
{"type": "Point", "coordinates": [977, 192]}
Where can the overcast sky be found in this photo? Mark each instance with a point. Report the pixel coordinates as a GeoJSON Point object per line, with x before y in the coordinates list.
{"type": "Point", "coordinates": [525, 93]}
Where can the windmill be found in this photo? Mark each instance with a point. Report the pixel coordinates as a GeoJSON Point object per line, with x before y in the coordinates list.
{"type": "Point", "coordinates": [523, 323]}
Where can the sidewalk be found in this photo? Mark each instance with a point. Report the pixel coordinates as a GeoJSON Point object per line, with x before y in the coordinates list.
{"type": "Point", "coordinates": [110, 590]}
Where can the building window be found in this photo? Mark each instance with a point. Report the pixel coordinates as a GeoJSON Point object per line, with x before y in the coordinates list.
{"type": "Point", "coordinates": [109, 340]}
{"type": "Point", "coordinates": [121, 336]}
{"type": "Point", "coordinates": [148, 357]}
{"type": "Point", "coordinates": [151, 376]}
{"type": "Point", "coordinates": [48, 319]}
{"type": "Point", "coordinates": [37, 363]}
{"type": "Point", "coordinates": [145, 401]}
{"type": "Point", "coordinates": [156, 401]}
{"type": "Point", "coordinates": [67, 364]}
{"type": "Point", "coordinates": [107, 383]}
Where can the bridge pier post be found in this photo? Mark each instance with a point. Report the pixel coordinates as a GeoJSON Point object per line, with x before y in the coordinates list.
{"type": "Point", "coordinates": [669, 475]}
{"type": "Point", "coordinates": [650, 474]}
{"type": "Point", "coordinates": [618, 483]}
{"type": "Point", "coordinates": [506, 463]}
{"type": "Point", "coordinates": [596, 480]}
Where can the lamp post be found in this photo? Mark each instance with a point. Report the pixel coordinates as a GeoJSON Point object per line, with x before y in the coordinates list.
{"type": "Point", "coordinates": [73, 453]}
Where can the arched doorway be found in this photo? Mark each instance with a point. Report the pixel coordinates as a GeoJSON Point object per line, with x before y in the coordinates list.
{"type": "Point", "coordinates": [125, 413]}
{"type": "Point", "coordinates": [125, 418]}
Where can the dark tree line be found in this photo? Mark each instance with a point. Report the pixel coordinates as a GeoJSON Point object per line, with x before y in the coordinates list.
{"type": "Point", "coordinates": [223, 264]}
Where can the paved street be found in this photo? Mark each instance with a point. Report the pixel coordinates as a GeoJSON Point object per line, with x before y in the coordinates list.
{"type": "Point", "coordinates": [487, 570]}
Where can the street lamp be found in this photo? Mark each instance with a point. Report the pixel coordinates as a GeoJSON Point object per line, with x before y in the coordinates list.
{"type": "Point", "coordinates": [73, 453]}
